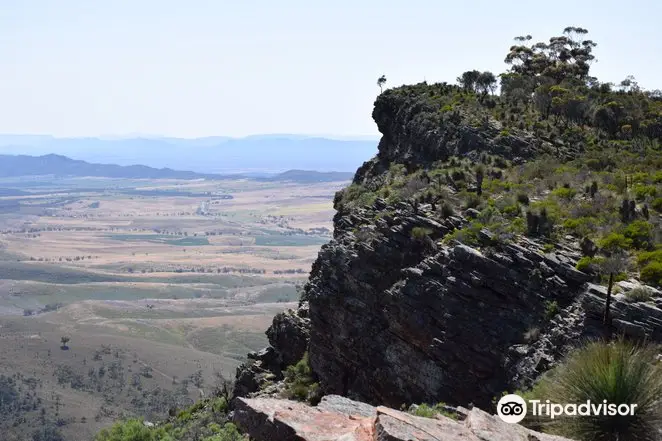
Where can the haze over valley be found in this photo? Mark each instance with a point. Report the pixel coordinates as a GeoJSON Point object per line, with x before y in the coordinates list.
{"type": "Point", "coordinates": [159, 278]}
{"type": "Point", "coordinates": [258, 154]}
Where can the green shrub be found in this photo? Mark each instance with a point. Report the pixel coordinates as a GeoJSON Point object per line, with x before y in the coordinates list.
{"type": "Point", "coordinates": [551, 308]}
{"type": "Point", "coordinates": [647, 257]}
{"type": "Point", "coordinates": [511, 211]}
{"type": "Point", "coordinates": [583, 226]}
{"type": "Point", "coordinates": [639, 294]}
{"type": "Point", "coordinates": [614, 241]}
{"type": "Point", "coordinates": [642, 192]}
{"type": "Point", "coordinates": [585, 264]}
{"type": "Point", "coordinates": [184, 415]}
{"type": "Point", "coordinates": [618, 372]}
{"type": "Point", "coordinates": [657, 205]}
{"type": "Point", "coordinates": [220, 405]}
{"type": "Point", "coordinates": [652, 273]}
{"type": "Point", "coordinates": [299, 382]}
{"type": "Point", "coordinates": [228, 433]}
{"type": "Point", "coordinates": [564, 193]}
{"type": "Point", "coordinates": [427, 411]}
{"type": "Point", "coordinates": [640, 233]}
{"type": "Point", "coordinates": [467, 235]}
{"type": "Point", "coordinates": [130, 430]}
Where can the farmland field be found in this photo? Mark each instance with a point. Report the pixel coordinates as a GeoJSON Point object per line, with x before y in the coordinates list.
{"type": "Point", "coordinates": [158, 285]}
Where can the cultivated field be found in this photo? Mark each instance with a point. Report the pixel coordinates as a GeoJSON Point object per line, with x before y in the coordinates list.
{"type": "Point", "coordinates": [158, 285]}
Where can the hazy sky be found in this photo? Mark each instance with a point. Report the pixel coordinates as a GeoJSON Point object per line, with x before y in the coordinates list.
{"type": "Point", "coordinates": [216, 67]}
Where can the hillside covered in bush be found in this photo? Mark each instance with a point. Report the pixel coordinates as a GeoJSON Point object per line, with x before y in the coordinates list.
{"type": "Point", "coordinates": [556, 153]}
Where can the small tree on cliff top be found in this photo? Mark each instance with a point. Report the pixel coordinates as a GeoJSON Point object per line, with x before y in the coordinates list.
{"type": "Point", "coordinates": [380, 82]}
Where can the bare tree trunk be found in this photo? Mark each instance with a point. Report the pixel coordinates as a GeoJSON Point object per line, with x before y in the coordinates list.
{"type": "Point", "coordinates": [606, 321]}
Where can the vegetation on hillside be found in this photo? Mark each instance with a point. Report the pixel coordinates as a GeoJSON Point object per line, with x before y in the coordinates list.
{"type": "Point", "coordinates": [206, 420]}
{"type": "Point", "coordinates": [618, 372]}
{"type": "Point", "coordinates": [599, 181]}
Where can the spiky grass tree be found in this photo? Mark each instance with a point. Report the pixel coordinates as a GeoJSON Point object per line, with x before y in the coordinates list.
{"type": "Point", "coordinates": [619, 372]}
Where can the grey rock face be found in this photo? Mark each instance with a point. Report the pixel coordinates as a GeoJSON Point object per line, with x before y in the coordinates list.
{"type": "Point", "coordinates": [393, 325]}
{"type": "Point", "coordinates": [288, 336]}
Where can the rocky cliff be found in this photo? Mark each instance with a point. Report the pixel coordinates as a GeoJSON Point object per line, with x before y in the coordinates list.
{"type": "Point", "coordinates": [416, 301]}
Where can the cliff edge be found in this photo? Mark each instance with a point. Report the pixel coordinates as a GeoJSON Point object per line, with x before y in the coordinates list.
{"type": "Point", "coordinates": [481, 242]}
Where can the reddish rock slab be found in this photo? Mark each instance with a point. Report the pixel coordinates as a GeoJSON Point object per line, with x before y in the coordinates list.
{"type": "Point", "coordinates": [283, 420]}
{"type": "Point", "coordinates": [393, 425]}
{"type": "Point", "coordinates": [342, 419]}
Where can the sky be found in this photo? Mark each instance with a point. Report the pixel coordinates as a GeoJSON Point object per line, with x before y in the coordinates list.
{"type": "Point", "coordinates": [215, 67]}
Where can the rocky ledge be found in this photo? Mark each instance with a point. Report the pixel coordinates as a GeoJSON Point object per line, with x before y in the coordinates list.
{"type": "Point", "coordinates": [341, 419]}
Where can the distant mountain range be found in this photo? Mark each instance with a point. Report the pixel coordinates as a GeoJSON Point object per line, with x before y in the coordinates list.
{"type": "Point", "coordinates": [258, 154]}
{"type": "Point", "coordinates": [61, 166]}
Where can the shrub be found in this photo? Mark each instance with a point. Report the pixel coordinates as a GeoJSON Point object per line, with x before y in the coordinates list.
{"type": "Point", "coordinates": [523, 198]}
{"type": "Point", "coordinates": [299, 381]}
{"type": "Point", "coordinates": [585, 264]}
{"type": "Point", "coordinates": [427, 411]}
{"type": "Point", "coordinates": [640, 233]}
{"type": "Point", "coordinates": [618, 372]}
{"type": "Point", "coordinates": [220, 405]}
{"type": "Point", "coordinates": [564, 193]}
{"type": "Point", "coordinates": [652, 273]}
{"type": "Point", "coordinates": [551, 308]}
{"type": "Point", "coordinates": [447, 210]}
{"type": "Point", "coordinates": [472, 201]}
{"type": "Point", "coordinates": [614, 241]}
{"type": "Point", "coordinates": [641, 192]}
{"type": "Point", "coordinates": [582, 226]}
{"type": "Point", "coordinates": [639, 294]}
{"type": "Point", "coordinates": [647, 257]}
{"type": "Point", "coordinates": [228, 433]}
{"type": "Point", "coordinates": [467, 235]}
{"type": "Point", "coordinates": [419, 233]}
{"type": "Point", "coordinates": [131, 430]}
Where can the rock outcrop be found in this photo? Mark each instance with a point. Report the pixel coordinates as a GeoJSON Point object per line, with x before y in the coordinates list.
{"type": "Point", "coordinates": [288, 335]}
{"type": "Point", "coordinates": [393, 329]}
{"type": "Point", "coordinates": [341, 419]}
{"type": "Point", "coordinates": [391, 317]}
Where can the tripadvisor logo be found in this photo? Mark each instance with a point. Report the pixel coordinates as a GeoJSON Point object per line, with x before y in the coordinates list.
{"type": "Point", "coordinates": [512, 409]}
